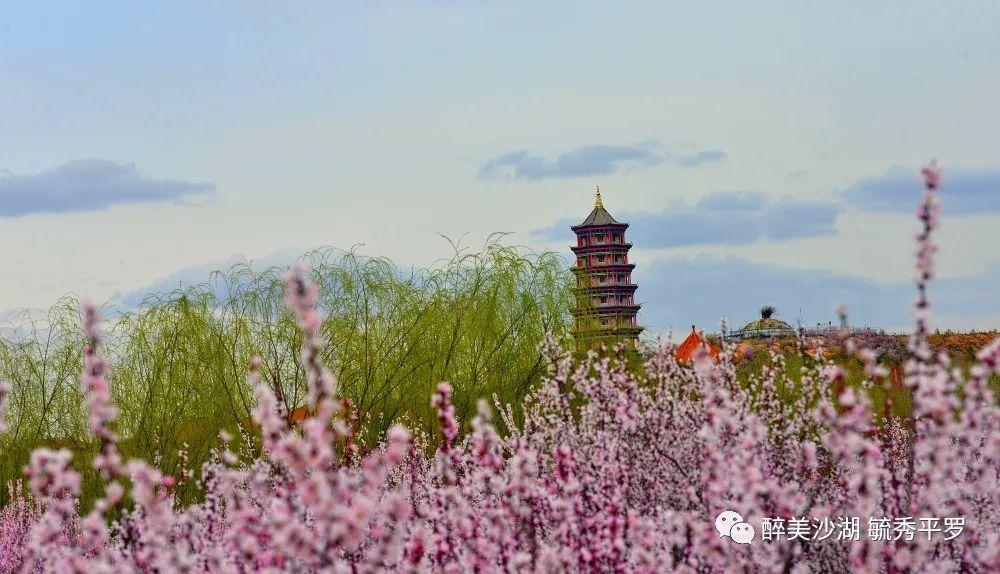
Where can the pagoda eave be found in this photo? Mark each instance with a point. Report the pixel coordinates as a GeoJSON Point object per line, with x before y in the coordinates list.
{"type": "Point", "coordinates": [605, 267]}
{"type": "Point", "coordinates": [612, 288]}
{"type": "Point", "coordinates": [596, 311]}
{"type": "Point", "coordinates": [600, 226]}
{"type": "Point", "coordinates": [606, 247]}
{"type": "Point", "coordinates": [609, 332]}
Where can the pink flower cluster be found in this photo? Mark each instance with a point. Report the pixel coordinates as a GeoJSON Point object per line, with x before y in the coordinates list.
{"type": "Point", "coordinates": [607, 472]}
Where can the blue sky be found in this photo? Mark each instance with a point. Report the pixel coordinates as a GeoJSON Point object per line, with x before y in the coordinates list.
{"type": "Point", "coordinates": [764, 152]}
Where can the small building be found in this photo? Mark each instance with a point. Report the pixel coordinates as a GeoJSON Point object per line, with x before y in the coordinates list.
{"type": "Point", "coordinates": [606, 310]}
{"type": "Point", "coordinates": [685, 351]}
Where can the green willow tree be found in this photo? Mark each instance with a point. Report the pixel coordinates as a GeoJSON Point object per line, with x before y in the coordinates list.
{"type": "Point", "coordinates": [180, 361]}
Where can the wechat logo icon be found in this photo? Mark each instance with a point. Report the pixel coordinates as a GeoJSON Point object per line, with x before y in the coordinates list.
{"type": "Point", "coordinates": [731, 524]}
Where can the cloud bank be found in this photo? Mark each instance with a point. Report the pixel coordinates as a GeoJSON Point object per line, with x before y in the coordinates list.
{"type": "Point", "coordinates": [88, 185]}
{"type": "Point", "coordinates": [722, 218]}
{"type": "Point", "coordinates": [678, 292]}
{"type": "Point", "coordinates": [963, 191]}
{"type": "Point", "coordinates": [591, 160]}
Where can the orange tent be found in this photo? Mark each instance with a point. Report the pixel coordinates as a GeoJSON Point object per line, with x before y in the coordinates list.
{"type": "Point", "coordinates": [685, 352]}
{"type": "Point", "coordinates": [294, 418]}
{"type": "Point", "coordinates": [297, 416]}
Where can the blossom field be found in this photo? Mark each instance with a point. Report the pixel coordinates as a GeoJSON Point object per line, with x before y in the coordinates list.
{"type": "Point", "coordinates": [609, 471]}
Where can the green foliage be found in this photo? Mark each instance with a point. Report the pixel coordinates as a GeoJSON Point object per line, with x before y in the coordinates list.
{"type": "Point", "coordinates": [41, 358]}
{"type": "Point", "coordinates": [180, 361]}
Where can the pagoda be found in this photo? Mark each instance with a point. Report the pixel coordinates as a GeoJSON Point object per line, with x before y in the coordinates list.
{"type": "Point", "coordinates": [605, 310]}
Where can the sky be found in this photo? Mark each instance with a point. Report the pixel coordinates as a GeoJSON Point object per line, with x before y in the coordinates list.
{"type": "Point", "coordinates": [764, 153]}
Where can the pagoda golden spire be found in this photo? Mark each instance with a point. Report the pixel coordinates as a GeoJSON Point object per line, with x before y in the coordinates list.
{"type": "Point", "coordinates": [597, 198]}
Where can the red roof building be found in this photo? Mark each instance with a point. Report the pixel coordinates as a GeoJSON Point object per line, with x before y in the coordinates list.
{"type": "Point", "coordinates": [685, 352]}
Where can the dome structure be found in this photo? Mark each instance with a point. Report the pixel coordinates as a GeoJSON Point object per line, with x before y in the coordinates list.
{"type": "Point", "coordinates": [765, 327]}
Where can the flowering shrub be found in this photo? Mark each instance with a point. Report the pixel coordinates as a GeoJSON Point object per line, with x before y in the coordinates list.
{"type": "Point", "coordinates": [607, 472]}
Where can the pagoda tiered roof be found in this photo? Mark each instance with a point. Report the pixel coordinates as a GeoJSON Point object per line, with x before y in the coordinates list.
{"type": "Point", "coordinates": [599, 217]}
